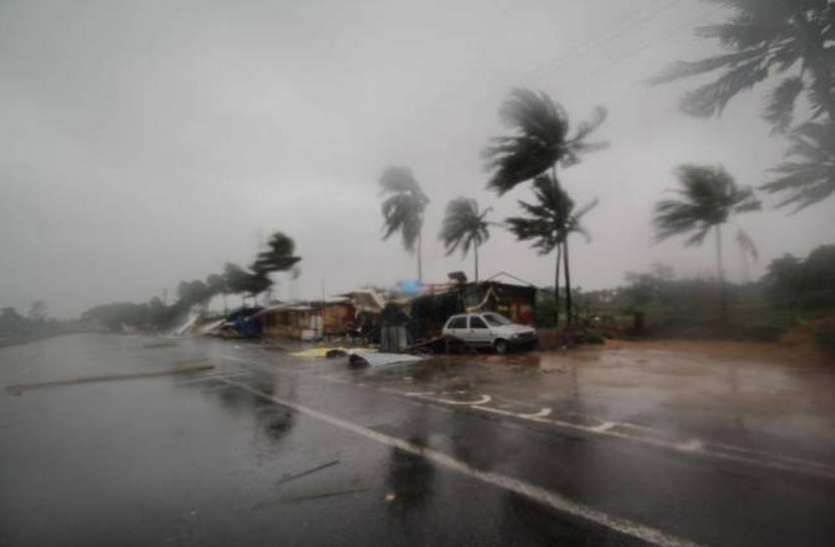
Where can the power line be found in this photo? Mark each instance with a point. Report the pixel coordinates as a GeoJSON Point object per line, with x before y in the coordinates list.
{"type": "Point", "coordinates": [643, 17]}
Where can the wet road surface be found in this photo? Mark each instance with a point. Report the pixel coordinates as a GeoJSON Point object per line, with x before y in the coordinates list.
{"type": "Point", "coordinates": [623, 448]}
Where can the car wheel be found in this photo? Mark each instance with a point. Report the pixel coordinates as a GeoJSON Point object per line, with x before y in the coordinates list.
{"type": "Point", "coordinates": [501, 346]}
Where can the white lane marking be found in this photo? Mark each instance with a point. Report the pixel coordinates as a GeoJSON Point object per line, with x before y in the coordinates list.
{"type": "Point", "coordinates": [484, 399]}
{"type": "Point", "coordinates": [605, 426]}
{"type": "Point", "coordinates": [545, 412]}
{"type": "Point", "coordinates": [536, 493]}
{"type": "Point", "coordinates": [744, 456]}
{"type": "Point", "coordinates": [213, 377]}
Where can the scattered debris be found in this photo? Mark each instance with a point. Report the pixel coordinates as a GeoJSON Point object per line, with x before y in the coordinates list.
{"type": "Point", "coordinates": [330, 352]}
{"type": "Point", "coordinates": [381, 359]}
{"type": "Point", "coordinates": [288, 478]}
{"type": "Point", "coordinates": [164, 344]}
{"type": "Point", "coordinates": [309, 497]}
{"type": "Point", "coordinates": [20, 388]}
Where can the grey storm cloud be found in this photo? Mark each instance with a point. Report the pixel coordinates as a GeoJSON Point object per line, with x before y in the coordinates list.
{"type": "Point", "coordinates": [149, 142]}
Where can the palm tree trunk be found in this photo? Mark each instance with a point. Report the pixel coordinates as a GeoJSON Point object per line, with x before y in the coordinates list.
{"type": "Point", "coordinates": [557, 288]}
{"type": "Point", "coordinates": [420, 259]}
{"type": "Point", "coordinates": [720, 274]}
{"type": "Point", "coordinates": [569, 304]}
{"type": "Point", "coordinates": [559, 257]}
{"type": "Point", "coordinates": [475, 253]}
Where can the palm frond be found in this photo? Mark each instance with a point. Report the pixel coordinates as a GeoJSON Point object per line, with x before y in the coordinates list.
{"type": "Point", "coordinates": [539, 139]}
{"type": "Point", "coordinates": [711, 99]}
{"type": "Point", "coordinates": [780, 107]}
{"type": "Point", "coordinates": [686, 69]}
{"type": "Point", "coordinates": [810, 178]}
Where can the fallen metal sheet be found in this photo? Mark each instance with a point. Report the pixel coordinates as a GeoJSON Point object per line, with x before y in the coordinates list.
{"type": "Point", "coordinates": [382, 359]}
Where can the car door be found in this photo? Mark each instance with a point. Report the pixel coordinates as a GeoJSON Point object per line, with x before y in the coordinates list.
{"type": "Point", "coordinates": [457, 327]}
{"type": "Point", "coordinates": [479, 332]}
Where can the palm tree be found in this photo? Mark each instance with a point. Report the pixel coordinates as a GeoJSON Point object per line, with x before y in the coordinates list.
{"type": "Point", "coordinates": [403, 209]}
{"type": "Point", "coordinates": [464, 226]}
{"type": "Point", "coordinates": [279, 255]}
{"type": "Point", "coordinates": [707, 198]}
{"type": "Point", "coordinates": [788, 40]}
{"type": "Point", "coordinates": [539, 142]}
{"type": "Point", "coordinates": [548, 223]}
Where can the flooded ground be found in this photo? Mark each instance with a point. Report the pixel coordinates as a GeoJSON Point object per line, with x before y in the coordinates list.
{"type": "Point", "coordinates": [143, 441]}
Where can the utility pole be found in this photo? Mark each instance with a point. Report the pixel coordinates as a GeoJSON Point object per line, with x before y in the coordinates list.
{"type": "Point", "coordinates": [323, 308]}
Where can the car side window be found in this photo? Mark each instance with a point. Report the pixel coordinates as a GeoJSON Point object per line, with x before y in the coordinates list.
{"type": "Point", "coordinates": [458, 323]}
{"type": "Point", "coordinates": [477, 323]}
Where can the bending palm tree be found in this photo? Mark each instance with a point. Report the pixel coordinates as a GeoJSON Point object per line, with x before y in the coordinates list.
{"type": "Point", "coordinates": [279, 255]}
{"type": "Point", "coordinates": [403, 209]}
{"type": "Point", "coordinates": [549, 223]}
{"type": "Point", "coordinates": [464, 226]}
{"type": "Point", "coordinates": [540, 141]}
{"type": "Point", "coordinates": [708, 197]}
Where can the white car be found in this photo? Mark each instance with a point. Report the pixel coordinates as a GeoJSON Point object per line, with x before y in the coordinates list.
{"type": "Point", "coordinates": [489, 329]}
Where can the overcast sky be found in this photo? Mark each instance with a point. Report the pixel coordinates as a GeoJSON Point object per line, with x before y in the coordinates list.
{"type": "Point", "coordinates": [148, 142]}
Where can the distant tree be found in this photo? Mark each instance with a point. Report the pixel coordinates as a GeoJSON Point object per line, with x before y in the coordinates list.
{"type": "Point", "coordinates": [792, 41]}
{"type": "Point", "coordinates": [548, 224]}
{"type": "Point", "coordinates": [193, 292]}
{"type": "Point", "coordinates": [403, 209]}
{"type": "Point", "coordinates": [37, 312]}
{"type": "Point", "coordinates": [539, 142]}
{"type": "Point", "coordinates": [244, 282]}
{"type": "Point", "coordinates": [116, 315]}
{"type": "Point", "coordinates": [236, 277]}
{"type": "Point", "coordinates": [465, 227]}
{"type": "Point", "coordinates": [708, 197]}
{"type": "Point", "coordinates": [157, 312]}
{"type": "Point", "coordinates": [217, 286]}
{"type": "Point", "coordinates": [808, 283]}
{"type": "Point", "coordinates": [12, 323]}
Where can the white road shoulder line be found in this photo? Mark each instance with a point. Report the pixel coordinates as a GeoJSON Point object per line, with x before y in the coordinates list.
{"type": "Point", "coordinates": [536, 493]}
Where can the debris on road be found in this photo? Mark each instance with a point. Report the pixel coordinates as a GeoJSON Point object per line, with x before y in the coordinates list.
{"type": "Point", "coordinates": [288, 478]}
{"type": "Point", "coordinates": [382, 359]}
{"type": "Point", "coordinates": [310, 497]}
{"type": "Point", "coordinates": [328, 352]}
{"type": "Point", "coordinates": [20, 388]}
{"type": "Point", "coordinates": [163, 344]}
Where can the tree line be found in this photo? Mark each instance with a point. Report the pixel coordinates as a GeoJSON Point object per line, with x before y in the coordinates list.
{"type": "Point", "coordinates": [248, 282]}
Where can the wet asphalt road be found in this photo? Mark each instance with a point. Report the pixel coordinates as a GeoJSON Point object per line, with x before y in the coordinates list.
{"type": "Point", "coordinates": [267, 448]}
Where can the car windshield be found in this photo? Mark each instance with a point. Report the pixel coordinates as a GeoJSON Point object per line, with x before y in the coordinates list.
{"type": "Point", "coordinates": [496, 320]}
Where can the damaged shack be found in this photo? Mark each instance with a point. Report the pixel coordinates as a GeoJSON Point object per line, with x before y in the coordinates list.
{"type": "Point", "coordinates": [430, 311]}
